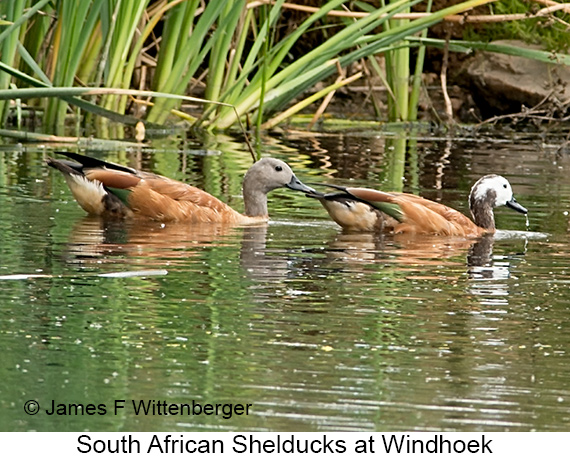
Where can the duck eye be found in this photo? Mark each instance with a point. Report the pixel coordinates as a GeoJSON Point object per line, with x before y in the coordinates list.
{"type": "Point", "coordinates": [278, 168]}
{"type": "Point", "coordinates": [505, 186]}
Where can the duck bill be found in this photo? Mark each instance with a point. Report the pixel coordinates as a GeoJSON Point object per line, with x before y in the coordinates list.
{"type": "Point", "coordinates": [513, 204]}
{"type": "Point", "coordinates": [295, 184]}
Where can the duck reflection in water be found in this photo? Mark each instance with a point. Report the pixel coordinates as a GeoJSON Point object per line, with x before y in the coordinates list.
{"type": "Point", "coordinates": [412, 254]}
{"type": "Point", "coordinates": [405, 250]}
{"type": "Point", "coordinates": [488, 273]}
{"type": "Point", "coordinates": [101, 241]}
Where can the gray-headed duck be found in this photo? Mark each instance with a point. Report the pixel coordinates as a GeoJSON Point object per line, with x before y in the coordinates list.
{"type": "Point", "coordinates": [111, 190]}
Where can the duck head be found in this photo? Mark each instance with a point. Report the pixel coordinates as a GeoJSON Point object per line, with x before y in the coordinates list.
{"type": "Point", "coordinates": [487, 193]}
{"type": "Point", "coordinates": [268, 174]}
{"type": "Point", "coordinates": [264, 176]}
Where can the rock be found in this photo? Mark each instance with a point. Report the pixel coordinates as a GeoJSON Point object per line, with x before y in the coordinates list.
{"type": "Point", "coordinates": [505, 84]}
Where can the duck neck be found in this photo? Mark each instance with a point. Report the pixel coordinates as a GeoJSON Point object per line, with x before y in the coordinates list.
{"type": "Point", "coordinates": [482, 213]}
{"type": "Point", "coordinates": [255, 201]}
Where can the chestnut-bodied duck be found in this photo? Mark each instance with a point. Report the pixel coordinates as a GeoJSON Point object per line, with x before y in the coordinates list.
{"type": "Point", "coordinates": [359, 209]}
{"type": "Point", "coordinates": [110, 190]}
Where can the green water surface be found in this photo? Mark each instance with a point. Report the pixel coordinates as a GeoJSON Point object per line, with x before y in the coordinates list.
{"type": "Point", "coordinates": [315, 329]}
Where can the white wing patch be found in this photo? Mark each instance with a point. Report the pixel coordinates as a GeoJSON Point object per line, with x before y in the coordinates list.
{"type": "Point", "coordinates": [89, 194]}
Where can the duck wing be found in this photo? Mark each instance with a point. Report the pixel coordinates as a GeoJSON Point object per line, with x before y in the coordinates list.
{"type": "Point", "coordinates": [165, 199]}
{"type": "Point", "coordinates": [429, 217]}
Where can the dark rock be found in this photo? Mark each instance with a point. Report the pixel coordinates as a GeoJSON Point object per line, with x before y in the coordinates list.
{"type": "Point", "coordinates": [505, 84]}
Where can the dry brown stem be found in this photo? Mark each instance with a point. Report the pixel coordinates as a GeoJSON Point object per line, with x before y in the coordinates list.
{"type": "Point", "coordinates": [481, 18]}
{"type": "Point", "coordinates": [443, 77]}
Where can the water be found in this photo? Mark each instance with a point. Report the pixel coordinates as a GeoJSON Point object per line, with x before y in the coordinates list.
{"type": "Point", "coordinates": [316, 329]}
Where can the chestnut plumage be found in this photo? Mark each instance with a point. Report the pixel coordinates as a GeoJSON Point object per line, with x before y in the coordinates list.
{"type": "Point", "coordinates": [111, 190]}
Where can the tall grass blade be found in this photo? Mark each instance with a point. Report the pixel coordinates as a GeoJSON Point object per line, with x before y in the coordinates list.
{"type": "Point", "coordinates": [417, 78]}
{"type": "Point", "coordinates": [469, 46]}
{"type": "Point", "coordinates": [13, 11]}
{"type": "Point", "coordinates": [192, 45]}
{"type": "Point", "coordinates": [221, 48]}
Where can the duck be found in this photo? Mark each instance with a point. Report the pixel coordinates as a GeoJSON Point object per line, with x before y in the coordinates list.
{"type": "Point", "coordinates": [115, 191]}
{"type": "Point", "coordinates": [358, 209]}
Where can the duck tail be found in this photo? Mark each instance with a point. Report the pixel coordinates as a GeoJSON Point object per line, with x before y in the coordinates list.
{"type": "Point", "coordinates": [382, 201]}
{"type": "Point", "coordinates": [92, 196]}
{"type": "Point", "coordinates": [92, 162]}
{"type": "Point", "coordinates": [66, 167]}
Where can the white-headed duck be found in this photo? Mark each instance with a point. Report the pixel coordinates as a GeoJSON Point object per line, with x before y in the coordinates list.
{"type": "Point", "coordinates": [366, 210]}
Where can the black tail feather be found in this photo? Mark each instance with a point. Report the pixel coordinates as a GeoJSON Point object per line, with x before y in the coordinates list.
{"type": "Point", "coordinates": [332, 186]}
{"type": "Point", "coordinates": [65, 166]}
{"type": "Point", "coordinates": [329, 196]}
{"type": "Point", "coordinates": [92, 162]}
